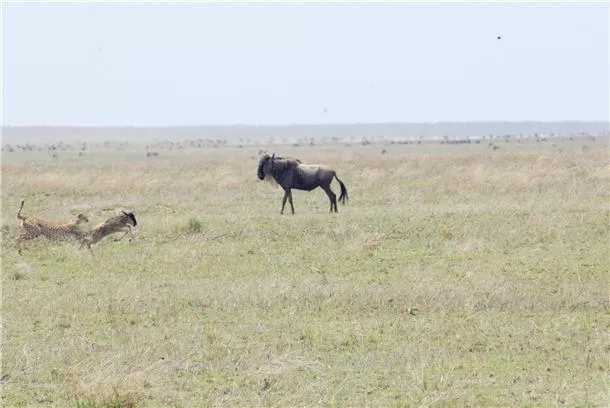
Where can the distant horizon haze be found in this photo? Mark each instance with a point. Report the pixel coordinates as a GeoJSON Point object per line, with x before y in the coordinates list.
{"type": "Point", "coordinates": [338, 124]}
{"type": "Point", "coordinates": [258, 134]}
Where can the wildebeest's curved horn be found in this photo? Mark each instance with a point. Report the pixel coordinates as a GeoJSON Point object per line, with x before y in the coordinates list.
{"type": "Point", "coordinates": [124, 212]}
{"type": "Point", "coordinates": [273, 157]}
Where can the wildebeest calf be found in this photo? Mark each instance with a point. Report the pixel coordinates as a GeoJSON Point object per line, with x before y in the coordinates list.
{"type": "Point", "coordinates": [119, 223]}
{"type": "Point", "coordinates": [291, 173]}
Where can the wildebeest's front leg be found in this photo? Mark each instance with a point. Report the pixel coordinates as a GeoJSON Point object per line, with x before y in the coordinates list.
{"type": "Point", "coordinates": [290, 200]}
{"type": "Point", "coordinates": [286, 192]}
{"type": "Point", "coordinates": [287, 196]}
{"type": "Point", "coordinates": [127, 231]}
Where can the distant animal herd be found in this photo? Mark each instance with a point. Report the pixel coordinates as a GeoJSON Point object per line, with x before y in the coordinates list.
{"type": "Point", "coordinates": [289, 173]}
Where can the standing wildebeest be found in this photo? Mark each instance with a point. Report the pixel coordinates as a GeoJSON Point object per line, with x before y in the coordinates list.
{"type": "Point", "coordinates": [291, 173]}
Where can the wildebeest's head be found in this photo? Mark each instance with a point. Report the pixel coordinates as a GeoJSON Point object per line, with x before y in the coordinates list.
{"type": "Point", "coordinates": [131, 218]}
{"type": "Point", "coordinates": [265, 166]}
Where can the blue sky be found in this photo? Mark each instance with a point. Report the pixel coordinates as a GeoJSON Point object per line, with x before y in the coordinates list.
{"type": "Point", "coordinates": [268, 63]}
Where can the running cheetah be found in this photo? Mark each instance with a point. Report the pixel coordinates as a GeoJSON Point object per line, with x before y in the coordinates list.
{"type": "Point", "coordinates": [32, 227]}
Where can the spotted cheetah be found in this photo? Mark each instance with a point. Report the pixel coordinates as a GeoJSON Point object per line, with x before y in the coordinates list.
{"type": "Point", "coordinates": [32, 227]}
{"type": "Point", "coordinates": [119, 223]}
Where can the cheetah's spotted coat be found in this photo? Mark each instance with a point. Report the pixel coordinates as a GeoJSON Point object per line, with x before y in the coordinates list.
{"type": "Point", "coordinates": [32, 227]}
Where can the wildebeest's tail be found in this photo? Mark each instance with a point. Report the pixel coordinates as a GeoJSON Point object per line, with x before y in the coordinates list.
{"type": "Point", "coordinates": [343, 197]}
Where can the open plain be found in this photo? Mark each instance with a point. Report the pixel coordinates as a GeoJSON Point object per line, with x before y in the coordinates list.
{"type": "Point", "coordinates": [457, 275]}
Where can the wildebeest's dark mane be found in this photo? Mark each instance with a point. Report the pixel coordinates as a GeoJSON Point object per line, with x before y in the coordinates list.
{"type": "Point", "coordinates": [280, 167]}
{"type": "Point", "coordinates": [275, 161]}
{"type": "Point", "coordinates": [266, 155]}
{"type": "Point", "coordinates": [287, 158]}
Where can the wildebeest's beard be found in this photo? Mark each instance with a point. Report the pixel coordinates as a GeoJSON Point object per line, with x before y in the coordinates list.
{"type": "Point", "coordinates": [132, 217]}
{"type": "Point", "coordinates": [261, 167]}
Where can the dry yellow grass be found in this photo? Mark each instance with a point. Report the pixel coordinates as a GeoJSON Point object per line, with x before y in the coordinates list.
{"type": "Point", "coordinates": [457, 275]}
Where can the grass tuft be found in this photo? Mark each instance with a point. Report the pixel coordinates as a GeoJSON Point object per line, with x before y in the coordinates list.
{"type": "Point", "coordinates": [194, 226]}
{"type": "Point", "coordinates": [115, 400]}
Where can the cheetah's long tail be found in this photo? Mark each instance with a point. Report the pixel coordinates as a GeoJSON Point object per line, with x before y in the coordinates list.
{"type": "Point", "coordinates": [21, 217]}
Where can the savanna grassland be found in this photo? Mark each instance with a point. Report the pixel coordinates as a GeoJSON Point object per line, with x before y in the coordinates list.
{"type": "Point", "coordinates": [457, 275]}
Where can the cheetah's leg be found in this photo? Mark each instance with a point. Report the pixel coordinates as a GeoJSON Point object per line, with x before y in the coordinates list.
{"type": "Point", "coordinates": [18, 243]}
{"type": "Point", "coordinates": [26, 236]}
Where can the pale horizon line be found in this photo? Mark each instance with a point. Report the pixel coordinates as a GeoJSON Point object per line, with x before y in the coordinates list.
{"type": "Point", "coordinates": [599, 121]}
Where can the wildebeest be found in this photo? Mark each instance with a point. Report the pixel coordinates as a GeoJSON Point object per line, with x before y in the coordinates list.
{"type": "Point", "coordinates": [291, 173]}
{"type": "Point", "coordinates": [119, 223]}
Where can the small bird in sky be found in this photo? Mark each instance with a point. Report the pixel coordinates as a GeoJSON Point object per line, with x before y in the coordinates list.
{"type": "Point", "coordinates": [499, 38]}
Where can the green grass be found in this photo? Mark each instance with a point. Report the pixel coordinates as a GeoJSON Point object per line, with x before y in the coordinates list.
{"type": "Point", "coordinates": [455, 276]}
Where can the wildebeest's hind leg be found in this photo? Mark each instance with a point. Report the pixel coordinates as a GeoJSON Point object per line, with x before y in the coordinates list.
{"type": "Point", "coordinates": [332, 197]}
